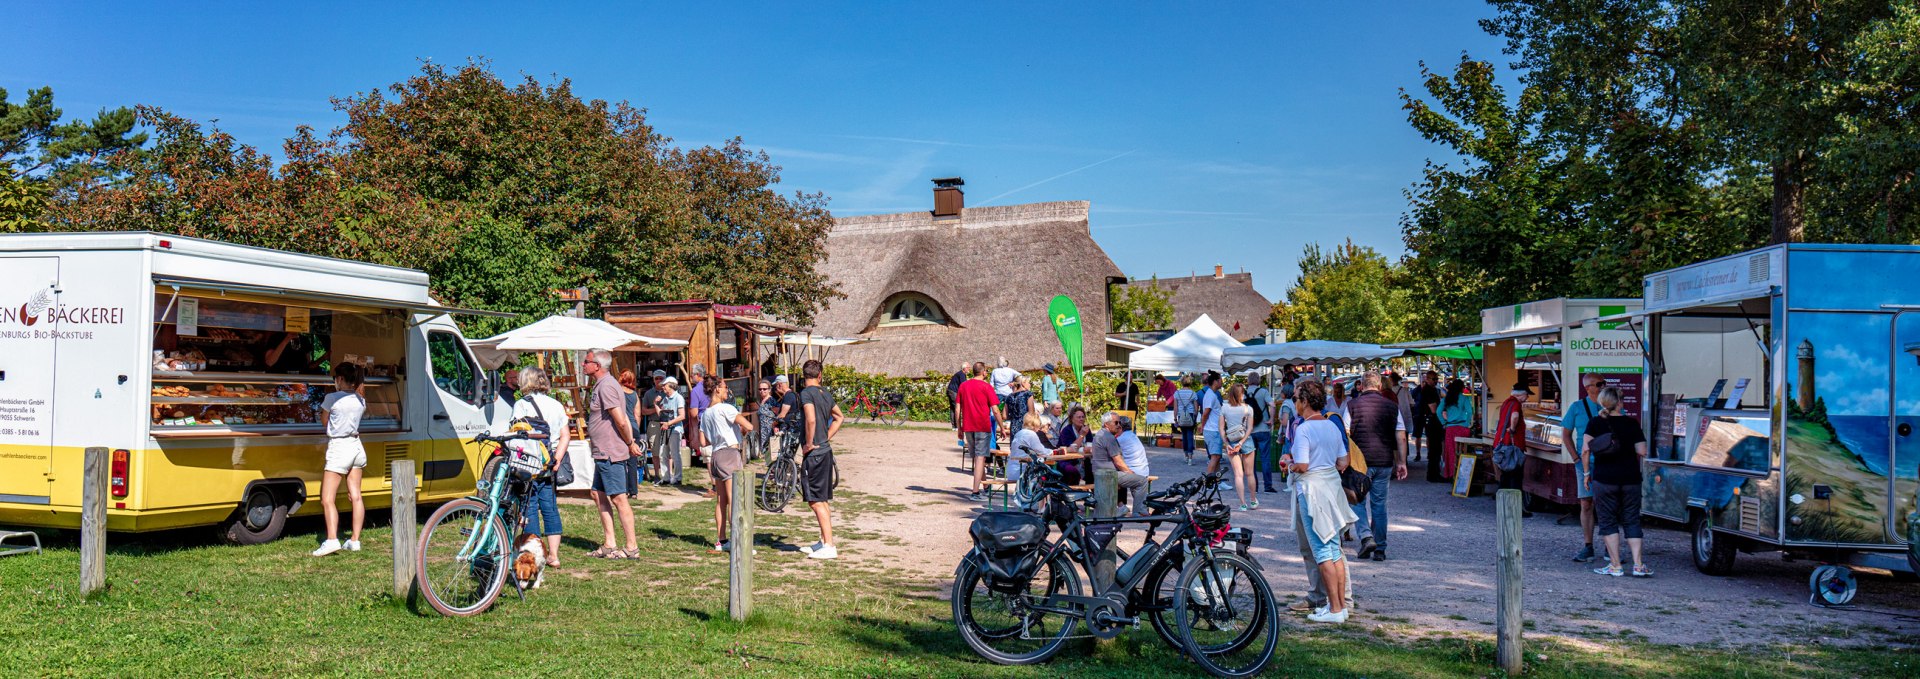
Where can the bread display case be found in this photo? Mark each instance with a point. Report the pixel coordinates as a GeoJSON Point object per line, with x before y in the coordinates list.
{"type": "Point", "coordinates": [190, 403]}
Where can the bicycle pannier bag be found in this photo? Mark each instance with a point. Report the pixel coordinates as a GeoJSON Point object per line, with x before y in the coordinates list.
{"type": "Point", "coordinates": [529, 457]}
{"type": "Point", "coordinates": [1010, 543]}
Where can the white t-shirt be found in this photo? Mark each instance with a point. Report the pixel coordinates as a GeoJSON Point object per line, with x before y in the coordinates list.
{"type": "Point", "coordinates": [1134, 452]}
{"type": "Point", "coordinates": [1210, 408]}
{"type": "Point", "coordinates": [1003, 380]}
{"type": "Point", "coordinates": [1318, 444]}
{"type": "Point", "coordinates": [1228, 418]}
{"type": "Point", "coordinates": [344, 409]}
{"type": "Point", "coordinates": [716, 422]}
{"type": "Point", "coordinates": [545, 408]}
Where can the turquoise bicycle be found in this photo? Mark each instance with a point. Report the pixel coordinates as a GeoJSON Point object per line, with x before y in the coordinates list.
{"type": "Point", "coordinates": [466, 551]}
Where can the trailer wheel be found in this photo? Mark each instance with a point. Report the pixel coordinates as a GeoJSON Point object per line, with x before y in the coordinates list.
{"type": "Point", "coordinates": [259, 519]}
{"type": "Point", "coordinates": [1712, 554]}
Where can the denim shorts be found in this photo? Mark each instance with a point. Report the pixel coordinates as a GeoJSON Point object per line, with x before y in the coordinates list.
{"type": "Point", "coordinates": [1323, 550]}
{"type": "Point", "coordinates": [1216, 444]}
{"type": "Point", "coordinates": [610, 478]}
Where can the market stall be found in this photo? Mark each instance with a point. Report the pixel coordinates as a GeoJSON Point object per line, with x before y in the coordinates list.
{"type": "Point", "coordinates": [1548, 344]}
{"type": "Point", "coordinates": [721, 337]}
{"type": "Point", "coordinates": [1782, 395]}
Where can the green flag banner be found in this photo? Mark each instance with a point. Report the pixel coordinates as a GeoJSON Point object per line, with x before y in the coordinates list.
{"type": "Point", "coordinates": [1065, 318]}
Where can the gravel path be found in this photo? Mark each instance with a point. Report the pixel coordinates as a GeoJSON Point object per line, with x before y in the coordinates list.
{"type": "Point", "coordinates": [1440, 575]}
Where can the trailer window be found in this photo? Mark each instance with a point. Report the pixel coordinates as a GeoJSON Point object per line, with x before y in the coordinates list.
{"type": "Point", "coordinates": [453, 371]}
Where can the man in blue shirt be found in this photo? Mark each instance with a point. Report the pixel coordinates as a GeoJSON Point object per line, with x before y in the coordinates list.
{"type": "Point", "coordinates": [1573, 429]}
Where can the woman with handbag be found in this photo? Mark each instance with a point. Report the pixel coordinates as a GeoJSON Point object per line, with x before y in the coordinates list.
{"type": "Point", "coordinates": [1613, 446]}
{"type": "Point", "coordinates": [534, 402]}
{"type": "Point", "coordinates": [1317, 456]}
{"type": "Point", "coordinates": [1236, 431]}
{"type": "Point", "coordinates": [1509, 444]}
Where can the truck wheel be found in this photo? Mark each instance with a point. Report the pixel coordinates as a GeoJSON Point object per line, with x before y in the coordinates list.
{"type": "Point", "coordinates": [259, 519]}
{"type": "Point", "coordinates": [1712, 554]}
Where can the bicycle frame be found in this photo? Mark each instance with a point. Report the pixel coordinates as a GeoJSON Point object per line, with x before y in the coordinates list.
{"type": "Point", "coordinates": [496, 487]}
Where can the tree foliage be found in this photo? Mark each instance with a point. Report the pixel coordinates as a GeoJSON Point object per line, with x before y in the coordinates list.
{"type": "Point", "coordinates": [41, 156]}
{"type": "Point", "coordinates": [500, 192]}
{"type": "Point", "coordinates": [1138, 307]}
{"type": "Point", "coordinates": [1349, 294]}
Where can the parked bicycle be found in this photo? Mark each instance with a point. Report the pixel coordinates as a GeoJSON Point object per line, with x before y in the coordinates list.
{"type": "Point", "coordinates": [466, 549]}
{"type": "Point", "coordinates": [782, 481]}
{"type": "Point", "coordinates": [889, 408]}
{"type": "Point", "coordinates": [1017, 597]}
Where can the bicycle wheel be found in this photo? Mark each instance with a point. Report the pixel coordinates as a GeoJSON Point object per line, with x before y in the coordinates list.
{"type": "Point", "coordinates": [1002, 626]}
{"type": "Point", "coordinates": [777, 489]}
{"type": "Point", "coordinates": [453, 585]}
{"type": "Point", "coordinates": [1157, 594]}
{"type": "Point", "coordinates": [1225, 615]}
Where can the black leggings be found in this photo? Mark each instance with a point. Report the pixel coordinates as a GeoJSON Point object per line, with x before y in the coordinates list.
{"type": "Point", "coordinates": [1616, 509]}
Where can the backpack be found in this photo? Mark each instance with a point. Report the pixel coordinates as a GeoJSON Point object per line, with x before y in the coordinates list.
{"type": "Point", "coordinates": [530, 456]}
{"type": "Point", "coordinates": [1183, 410]}
{"type": "Point", "coordinates": [1259, 411]}
{"type": "Point", "coordinates": [1357, 483]}
{"type": "Point", "coordinates": [1603, 445]}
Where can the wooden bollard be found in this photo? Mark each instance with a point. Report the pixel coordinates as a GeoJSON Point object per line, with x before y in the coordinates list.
{"type": "Point", "coordinates": [1508, 618]}
{"type": "Point", "coordinates": [406, 540]}
{"type": "Point", "coordinates": [1106, 504]}
{"type": "Point", "coordinates": [93, 521]}
{"type": "Point", "coordinates": [740, 549]}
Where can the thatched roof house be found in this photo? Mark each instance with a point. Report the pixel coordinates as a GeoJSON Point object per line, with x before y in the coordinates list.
{"type": "Point", "coordinates": [963, 284]}
{"type": "Point", "coordinates": [1228, 297]}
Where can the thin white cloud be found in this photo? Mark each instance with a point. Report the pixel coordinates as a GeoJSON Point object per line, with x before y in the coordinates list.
{"type": "Point", "coordinates": [1087, 166]}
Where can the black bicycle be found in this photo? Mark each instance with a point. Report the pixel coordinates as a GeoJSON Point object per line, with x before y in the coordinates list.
{"type": "Point", "coordinates": [1018, 597]}
{"type": "Point", "coordinates": [783, 474]}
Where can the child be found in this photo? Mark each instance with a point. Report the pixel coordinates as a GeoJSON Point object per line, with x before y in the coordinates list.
{"type": "Point", "coordinates": [340, 415]}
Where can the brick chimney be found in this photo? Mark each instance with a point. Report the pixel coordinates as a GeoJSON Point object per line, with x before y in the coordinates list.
{"type": "Point", "coordinates": [1219, 272]}
{"type": "Point", "coordinates": [948, 199]}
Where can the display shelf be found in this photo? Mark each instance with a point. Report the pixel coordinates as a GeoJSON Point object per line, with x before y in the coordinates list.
{"type": "Point", "coordinates": [233, 430]}
{"type": "Point", "coordinates": [251, 378]}
{"type": "Point", "coordinates": [222, 401]}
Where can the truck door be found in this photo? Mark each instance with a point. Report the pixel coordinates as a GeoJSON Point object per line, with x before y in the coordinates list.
{"type": "Point", "coordinates": [455, 414]}
{"type": "Point", "coordinates": [28, 351]}
{"type": "Point", "coordinates": [1904, 456]}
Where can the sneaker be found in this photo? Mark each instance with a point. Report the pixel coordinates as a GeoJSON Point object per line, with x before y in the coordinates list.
{"type": "Point", "coordinates": [1329, 617]}
{"type": "Point", "coordinates": [1303, 606]}
{"type": "Point", "coordinates": [1256, 502]}
{"type": "Point", "coordinates": [1366, 548]}
{"type": "Point", "coordinates": [977, 497]}
{"type": "Point", "coordinates": [1642, 571]}
{"type": "Point", "coordinates": [718, 547]}
{"type": "Point", "coordinates": [1246, 508]}
{"type": "Point", "coordinates": [1189, 460]}
{"type": "Point", "coordinates": [1379, 554]}
{"type": "Point", "coordinates": [327, 547]}
{"type": "Point", "coordinates": [352, 545]}
{"type": "Point", "coordinates": [1609, 570]}
{"type": "Point", "coordinates": [809, 549]}
{"type": "Point", "coordinates": [1226, 485]}
{"type": "Point", "coordinates": [1584, 555]}
{"type": "Point", "coordinates": [824, 552]}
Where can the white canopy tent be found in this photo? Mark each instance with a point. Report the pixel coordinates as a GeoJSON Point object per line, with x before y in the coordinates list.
{"type": "Point", "coordinates": [1306, 351]}
{"type": "Point", "coordinates": [1196, 348]}
{"type": "Point", "coordinates": [563, 333]}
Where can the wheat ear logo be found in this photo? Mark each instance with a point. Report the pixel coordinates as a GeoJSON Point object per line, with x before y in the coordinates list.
{"type": "Point", "coordinates": [30, 312]}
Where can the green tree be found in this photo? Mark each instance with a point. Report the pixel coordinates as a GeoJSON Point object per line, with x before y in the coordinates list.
{"type": "Point", "coordinates": [41, 156]}
{"type": "Point", "coordinates": [1141, 307]}
{"type": "Point", "coordinates": [1350, 294]}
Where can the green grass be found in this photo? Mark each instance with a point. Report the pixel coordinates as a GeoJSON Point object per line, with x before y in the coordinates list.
{"type": "Point", "coordinates": [177, 606]}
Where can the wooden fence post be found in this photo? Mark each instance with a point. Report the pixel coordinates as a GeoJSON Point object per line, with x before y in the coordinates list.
{"type": "Point", "coordinates": [1508, 623]}
{"type": "Point", "coordinates": [93, 521]}
{"type": "Point", "coordinates": [405, 527]}
{"type": "Point", "coordinates": [740, 548]}
{"type": "Point", "coordinates": [1106, 501]}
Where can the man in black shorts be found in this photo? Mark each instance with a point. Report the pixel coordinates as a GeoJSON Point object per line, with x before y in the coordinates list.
{"type": "Point", "coordinates": [820, 420]}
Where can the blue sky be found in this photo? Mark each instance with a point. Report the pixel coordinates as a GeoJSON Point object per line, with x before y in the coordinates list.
{"type": "Point", "coordinates": [1203, 134]}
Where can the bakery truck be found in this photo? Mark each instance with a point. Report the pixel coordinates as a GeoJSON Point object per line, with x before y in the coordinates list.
{"type": "Point", "coordinates": [200, 365]}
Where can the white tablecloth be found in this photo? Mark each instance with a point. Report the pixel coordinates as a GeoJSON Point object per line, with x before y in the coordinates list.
{"type": "Point", "coordinates": [580, 457]}
{"type": "Point", "coordinates": [1162, 417]}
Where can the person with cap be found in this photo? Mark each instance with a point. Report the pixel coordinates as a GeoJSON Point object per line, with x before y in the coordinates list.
{"type": "Point", "coordinates": [673, 418]}
{"type": "Point", "coordinates": [650, 422]}
{"type": "Point", "coordinates": [1050, 386]}
{"type": "Point", "coordinates": [1512, 431]}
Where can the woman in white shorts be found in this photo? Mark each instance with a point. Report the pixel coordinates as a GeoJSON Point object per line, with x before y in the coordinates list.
{"type": "Point", "coordinates": [340, 414]}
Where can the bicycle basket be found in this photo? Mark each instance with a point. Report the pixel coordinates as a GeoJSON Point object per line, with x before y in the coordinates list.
{"type": "Point", "coordinates": [1010, 544]}
{"type": "Point", "coordinates": [527, 457]}
{"type": "Point", "coordinates": [1212, 517]}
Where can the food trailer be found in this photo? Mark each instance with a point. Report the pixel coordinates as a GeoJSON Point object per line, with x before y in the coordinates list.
{"type": "Point", "coordinates": [1783, 388]}
{"type": "Point", "coordinates": [1548, 344]}
{"type": "Point", "coordinates": [721, 337]}
{"type": "Point", "coordinates": [200, 366]}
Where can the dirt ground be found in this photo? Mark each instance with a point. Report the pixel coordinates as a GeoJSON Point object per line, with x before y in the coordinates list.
{"type": "Point", "coordinates": [1439, 578]}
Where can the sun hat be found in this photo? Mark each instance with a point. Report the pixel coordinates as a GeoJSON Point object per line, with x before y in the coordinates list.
{"type": "Point", "coordinates": [1048, 367]}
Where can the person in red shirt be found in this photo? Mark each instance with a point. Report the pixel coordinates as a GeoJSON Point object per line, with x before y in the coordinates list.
{"type": "Point", "coordinates": [1166, 388]}
{"type": "Point", "coordinates": [978, 405]}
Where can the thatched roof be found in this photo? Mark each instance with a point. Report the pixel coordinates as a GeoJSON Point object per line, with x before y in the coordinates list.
{"type": "Point", "coordinates": [1228, 297]}
{"type": "Point", "coordinates": [992, 270]}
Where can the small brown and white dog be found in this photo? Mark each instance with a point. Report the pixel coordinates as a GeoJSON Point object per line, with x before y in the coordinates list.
{"type": "Point", "coordinates": [529, 565]}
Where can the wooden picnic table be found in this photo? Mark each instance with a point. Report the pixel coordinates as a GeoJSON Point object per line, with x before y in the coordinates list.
{"type": "Point", "coordinates": [1050, 459]}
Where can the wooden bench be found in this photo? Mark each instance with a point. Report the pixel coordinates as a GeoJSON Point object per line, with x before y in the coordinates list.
{"type": "Point", "coordinates": [1002, 486]}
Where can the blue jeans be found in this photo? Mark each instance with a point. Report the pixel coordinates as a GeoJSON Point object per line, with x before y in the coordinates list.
{"type": "Point", "coordinates": [1375, 504]}
{"type": "Point", "coordinates": [1263, 457]}
{"type": "Point", "coordinates": [1186, 440]}
{"type": "Point", "coordinates": [545, 519]}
